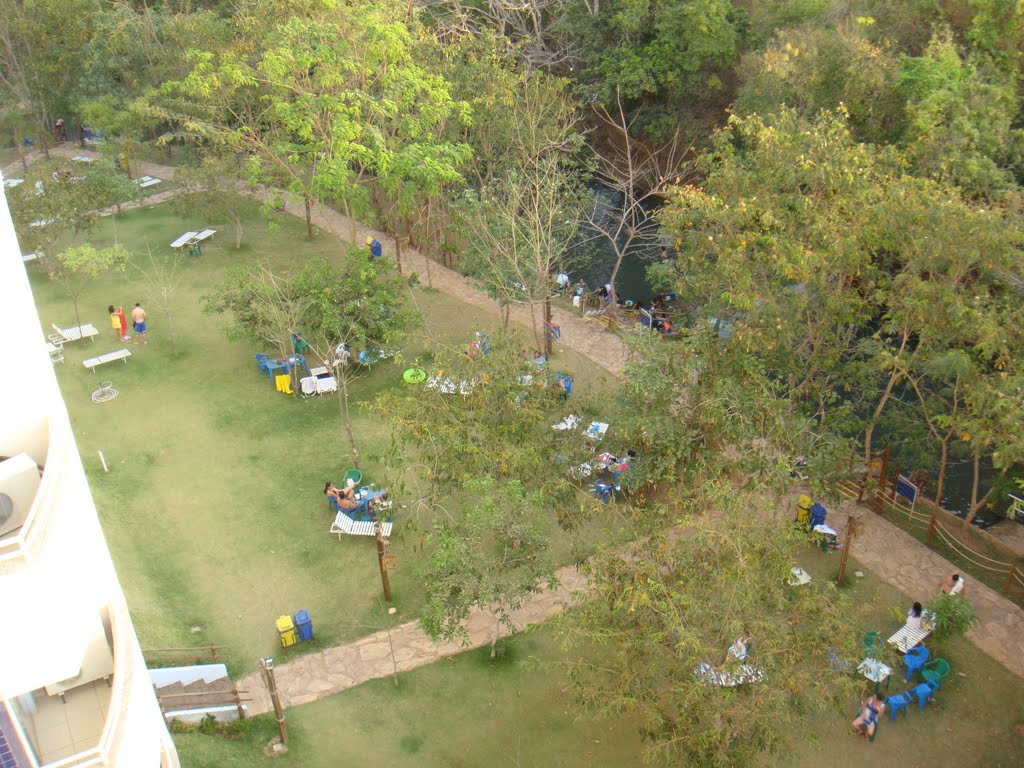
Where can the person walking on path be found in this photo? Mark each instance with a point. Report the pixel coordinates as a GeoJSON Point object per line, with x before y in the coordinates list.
{"type": "Point", "coordinates": [139, 323]}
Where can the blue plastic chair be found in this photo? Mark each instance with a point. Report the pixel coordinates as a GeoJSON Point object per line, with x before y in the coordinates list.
{"type": "Point", "coordinates": [914, 658]}
{"type": "Point", "coordinates": [261, 361]}
{"type": "Point", "coordinates": [924, 692]}
{"type": "Point", "coordinates": [898, 702]}
{"type": "Point", "coordinates": [605, 490]}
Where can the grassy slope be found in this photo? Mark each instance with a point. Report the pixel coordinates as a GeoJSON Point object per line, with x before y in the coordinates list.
{"type": "Point", "coordinates": [213, 506]}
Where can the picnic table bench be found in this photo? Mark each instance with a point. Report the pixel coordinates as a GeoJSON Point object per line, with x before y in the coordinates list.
{"type": "Point", "coordinates": [906, 638]}
{"type": "Point", "coordinates": [109, 357]}
{"type": "Point", "coordinates": [76, 332]}
{"type": "Point", "coordinates": [182, 241]}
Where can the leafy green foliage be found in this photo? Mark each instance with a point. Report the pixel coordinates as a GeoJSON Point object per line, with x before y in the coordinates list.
{"type": "Point", "coordinates": [493, 558]}
{"type": "Point", "coordinates": [952, 616]}
{"type": "Point", "coordinates": [663, 606]}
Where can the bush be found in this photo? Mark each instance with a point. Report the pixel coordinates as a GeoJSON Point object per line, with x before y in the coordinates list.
{"type": "Point", "coordinates": [952, 616]}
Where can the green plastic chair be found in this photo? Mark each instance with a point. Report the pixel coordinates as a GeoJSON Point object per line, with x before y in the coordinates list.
{"type": "Point", "coordinates": [935, 670]}
{"type": "Point", "coordinates": [872, 643]}
{"type": "Point", "coordinates": [354, 475]}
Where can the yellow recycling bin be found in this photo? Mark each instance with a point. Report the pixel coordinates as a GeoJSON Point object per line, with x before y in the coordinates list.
{"type": "Point", "coordinates": [287, 631]}
{"type": "Point", "coordinates": [803, 510]}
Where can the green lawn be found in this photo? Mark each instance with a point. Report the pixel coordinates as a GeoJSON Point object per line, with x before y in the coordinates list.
{"type": "Point", "coordinates": [470, 711]}
{"type": "Point", "coordinates": [213, 505]}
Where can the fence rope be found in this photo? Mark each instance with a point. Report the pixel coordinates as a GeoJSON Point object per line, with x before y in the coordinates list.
{"type": "Point", "coordinates": [955, 546]}
{"type": "Point", "coordinates": [906, 511]}
{"type": "Point", "coordinates": [979, 554]}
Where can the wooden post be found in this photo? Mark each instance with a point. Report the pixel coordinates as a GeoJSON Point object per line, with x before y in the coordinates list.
{"type": "Point", "coordinates": [238, 703]}
{"type": "Point", "coordinates": [851, 527]}
{"type": "Point", "coordinates": [1009, 578]}
{"type": "Point", "coordinates": [381, 549]}
{"type": "Point", "coordinates": [267, 673]}
{"type": "Point", "coordinates": [398, 252]}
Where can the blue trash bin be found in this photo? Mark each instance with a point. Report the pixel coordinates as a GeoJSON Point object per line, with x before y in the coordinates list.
{"type": "Point", "coordinates": [818, 513]}
{"type": "Point", "coordinates": [304, 624]}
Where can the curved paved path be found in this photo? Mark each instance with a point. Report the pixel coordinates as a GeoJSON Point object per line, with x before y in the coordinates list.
{"type": "Point", "coordinates": [588, 337]}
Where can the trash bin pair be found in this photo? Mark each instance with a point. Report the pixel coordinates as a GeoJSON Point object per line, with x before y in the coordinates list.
{"type": "Point", "coordinates": [294, 629]}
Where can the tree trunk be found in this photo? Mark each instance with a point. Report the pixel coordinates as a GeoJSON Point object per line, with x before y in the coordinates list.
{"type": "Point", "coordinates": [977, 504]}
{"type": "Point", "coordinates": [943, 463]}
{"type": "Point", "coordinates": [309, 217]}
{"type": "Point", "coordinates": [236, 222]}
{"type": "Point", "coordinates": [547, 327]}
{"type": "Point", "coordinates": [870, 428]}
{"type": "Point", "coordinates": [497, 636]}
{"type": "Point", "coordinates": [619, 255]}
{"type": "Point", "coordinates": [344, 415]}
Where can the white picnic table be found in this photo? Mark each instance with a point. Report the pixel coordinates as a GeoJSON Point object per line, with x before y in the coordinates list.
{"type": "Point", "coordinates": [12, 182]}
{"type": "Point", "coordinates": [800, 577]}
{"type": "Point", "coordinates": [147, 181]}
{"type": "Point", "coordinates": [206, 233]}
{"type": "Point", "coordinates": [875, 671]}
{"type": "Point", "coordinates": [76, 332]}
{"type": "Point", "coordinates": [83, 159]}
{"type": "Point", "coordinates": [30, 256]}
{"type": "Point", "coordinates": [907, 638]}
{"type": "Point", "coordinates": [183, 240]}
{"type": "Point", "coordinates": [118, 354]}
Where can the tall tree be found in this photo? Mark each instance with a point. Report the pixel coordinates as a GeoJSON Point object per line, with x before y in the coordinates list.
{"type": "Point", "coordinates": [662, 608]}
{"type": "Point", "coordinates": [492, 559]}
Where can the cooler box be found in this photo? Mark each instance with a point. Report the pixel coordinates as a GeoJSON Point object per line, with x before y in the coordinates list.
{"type": "Point", "coordinates": [304, 624]}
{"type": "Point", "coordinates": [818, 513]}
{"type": "Point", "coordinates": [286, 630]}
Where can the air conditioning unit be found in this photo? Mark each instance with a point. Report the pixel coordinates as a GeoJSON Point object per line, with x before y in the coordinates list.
{"type": "Point", "coordinates": [19, 483]}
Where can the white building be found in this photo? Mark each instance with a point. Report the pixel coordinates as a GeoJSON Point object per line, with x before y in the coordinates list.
{"type": "Point", "coordinates": [73, 685]}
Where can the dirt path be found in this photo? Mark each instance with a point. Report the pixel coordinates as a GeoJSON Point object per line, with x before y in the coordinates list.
{"type": "Point", "coordinates": [588, 337]}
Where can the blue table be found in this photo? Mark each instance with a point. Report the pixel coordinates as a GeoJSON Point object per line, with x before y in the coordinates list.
{"type": "Point", "coordinates": [271, 366]}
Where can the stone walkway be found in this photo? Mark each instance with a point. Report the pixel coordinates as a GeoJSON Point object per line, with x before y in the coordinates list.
{"type": "Point", "coordinates": [331, 670]}
{"type": "Point", "coordinates": [587, 337]}
{"type": "Point", "coordinates": [899, 559]}
{"type": "Point", "coordinates": [895, 556]}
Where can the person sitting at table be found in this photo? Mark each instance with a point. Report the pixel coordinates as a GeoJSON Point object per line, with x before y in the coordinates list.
{"type": "Point", "coordinates": [866, 722]}
{"type": "Point", "coordinates": [914, 617]}
{"type": "Point", "coordinates": [738, 650]}
{"type": "Point", "coordinates": [345, 497]}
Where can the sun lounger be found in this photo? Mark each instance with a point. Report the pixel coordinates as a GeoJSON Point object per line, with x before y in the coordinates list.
{"type": "Point", "coordinates": [109, 357]}
{"type": "Point", "coordinates": [74, 333]}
